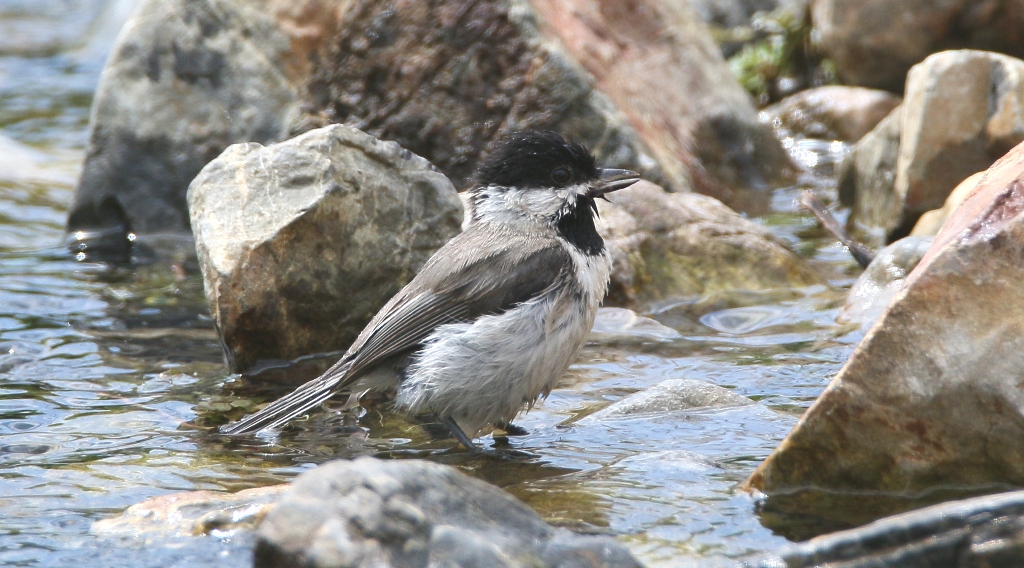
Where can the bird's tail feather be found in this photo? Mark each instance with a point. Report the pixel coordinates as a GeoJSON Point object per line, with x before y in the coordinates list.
{"type": "Point", "coordinates": [300, 401]}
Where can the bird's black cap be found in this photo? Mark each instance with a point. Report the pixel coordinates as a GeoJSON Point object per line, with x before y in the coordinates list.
{"type": "Point", "coordinates": [535, 159]}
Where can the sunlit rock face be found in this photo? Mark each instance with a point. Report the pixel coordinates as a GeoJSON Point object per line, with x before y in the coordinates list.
{"type": "Point", "coordinates": [301, 242]}
{"type": "Point", "coordinates": [962, 110]}
{"type": "Point", "coordinates": [831, 113]}
{"type": "Point", "coordinates": [932, 396]}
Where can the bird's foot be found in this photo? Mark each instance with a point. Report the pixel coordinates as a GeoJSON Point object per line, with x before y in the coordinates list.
{"type": "Point", "coordinates": [503, 454]}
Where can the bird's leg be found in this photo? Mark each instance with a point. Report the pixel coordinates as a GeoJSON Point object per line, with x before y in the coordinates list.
{"type": "Point", "coordinates": [512, 429]}
{"type": "Point", "coordinates": [475, 449]}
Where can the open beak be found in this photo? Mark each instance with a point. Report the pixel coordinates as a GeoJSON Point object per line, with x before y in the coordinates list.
{"type": "Point", "coordinates": [610, 179]}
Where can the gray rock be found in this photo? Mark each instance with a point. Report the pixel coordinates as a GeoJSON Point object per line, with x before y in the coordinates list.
{"type": "Point", "coordinates": [301, 242]}
{"type": "Point", "coordinates": [831, 113]}
{"type": "Point", "coordinates": [370, 512]}
{"type": "Point", "coordinates": [186, 79]}
{"type": "Point", "coordinates": [983, 531]}
{"type": "Point", "coordinates": [932, 395]}
{"type": "Point", "coordinates": [669, 245]}
{"type": "Point", "coordinates": [867, 180]}
{"type": "Point", "coordinates": [673, 395]}
{"type": "Point", "coordinates": [874, 42]}
{"type": "Point", "coordinates": [882, 279]}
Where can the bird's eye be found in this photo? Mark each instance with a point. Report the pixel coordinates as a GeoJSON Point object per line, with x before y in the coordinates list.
{"type": "Point", "coordinates": [561, 175]}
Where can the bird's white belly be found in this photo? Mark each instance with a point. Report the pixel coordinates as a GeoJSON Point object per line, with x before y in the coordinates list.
{"type": "Point", "coordinates": [485, 372]}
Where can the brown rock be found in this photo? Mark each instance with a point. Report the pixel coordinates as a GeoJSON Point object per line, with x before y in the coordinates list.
{"type": "Point", "coordinates": [192, 513]}
{"type": "Point", "coordinates": [931, 222]}
{"type": "Point", "coordinates": [832, 113]}
{"type": "Point", "coordinates": [932, 395]}
{"type": "Point", "coordinates": [874, 42]}
{"type": "Point", "coordinates": [670, 245]}
{"type": "Point", "coordinates": [301, 242]}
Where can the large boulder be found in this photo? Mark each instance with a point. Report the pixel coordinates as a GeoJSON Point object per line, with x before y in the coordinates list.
{"type": "Point", "coordinates": [370, 512]}
{"type": "Point", "coordinates": [186, 79]}
{"type": "Point", "coordinates": [671, 245]}
{"type": "Point", "coordinates": [301, 242]}
{"type": "Point", "coordinates": [932, 395]}
{"type": "Point", "coordinates": [867, 180]}
{"type": "Point", "coordinates": [444, 79]}
{"type": "Point", "coordinates": [874, 42]}
{"type": "Point", "coordinates": [962, 110]}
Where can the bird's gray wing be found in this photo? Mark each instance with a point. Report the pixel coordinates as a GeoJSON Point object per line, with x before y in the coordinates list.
{"type": "Point", "coordinates": [485, 270]}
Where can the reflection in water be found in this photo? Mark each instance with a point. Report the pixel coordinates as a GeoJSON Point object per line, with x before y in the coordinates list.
{"type": "Point", "coordinates": [110, 379]}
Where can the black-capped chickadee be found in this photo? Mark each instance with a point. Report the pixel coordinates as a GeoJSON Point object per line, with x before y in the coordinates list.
{"type": "Point", "coordinates": [498, 314]}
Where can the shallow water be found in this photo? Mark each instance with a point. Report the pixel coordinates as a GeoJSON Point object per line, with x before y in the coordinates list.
{"type": "Point", "coordinates": [108, 377]}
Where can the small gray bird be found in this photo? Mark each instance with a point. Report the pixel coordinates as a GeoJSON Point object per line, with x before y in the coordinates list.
{"type": "Point", "coordinates": [498, 314]}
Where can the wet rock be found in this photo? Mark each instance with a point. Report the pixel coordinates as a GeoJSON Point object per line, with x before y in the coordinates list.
{"type": "Point", "coordinates": [416, 513]}
{"type": "Point", "coordinates": [874, 42]}
{"type": "Point", "coordinates": [932, 394]}
{"type": "Point", "coordinates": [445, 80]}
{"type": "Point", "coordinates": [931, 221]}
{"type": "Point", "coordinates": [186, 79]}
{"type": "Point", "coordinates": [673, 395]}
{"type": "Point", "coordinates": [962, 110]}
{"type": "Point", "coordinates": [301, 242]}
{"type": "Point", "coordinates": [867, 180]}
{"type": "Point", "coordinates": [668, 245]}
{"type": "Point", "coordinates": [832, 113]}
{"type": "Point", "coordinates": [983, 531]}
{"type": "Point", "coordinates": [882, 279]}
{"type": "Point", "coordinates": [192, 513]}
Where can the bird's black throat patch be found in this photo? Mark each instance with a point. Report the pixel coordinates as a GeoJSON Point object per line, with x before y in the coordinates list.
{"type": "Point", "coordinates": [577, 227]}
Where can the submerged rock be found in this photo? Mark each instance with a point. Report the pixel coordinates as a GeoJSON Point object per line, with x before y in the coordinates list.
{"type": "Point", "coordinates": [192, 513]}
{"type": "Point", "coordinates": [983, 531]}
{"type": "Point", "coordinates": [301, 242]}
{"type": "Point", "coordinates": [370, 512]}
{"type": "Point", "coordinates": [883, 279]}
{"type": "Point", "coordinates": [667, 245]}
{"type": "Point", "coordinates": [673, 395]}
{"type": "Point", "coordinates": [932, 394]}
{"type": "Point", "coordinates": [832, 113]}
{"type": "Point", "coordinates": [874, 42]}
{"type": "Point", "coordinates": [962, 110]}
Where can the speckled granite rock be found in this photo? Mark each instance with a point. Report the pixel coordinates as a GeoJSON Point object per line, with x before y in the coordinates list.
{"type": "Point", "coordinates": [302, 242]}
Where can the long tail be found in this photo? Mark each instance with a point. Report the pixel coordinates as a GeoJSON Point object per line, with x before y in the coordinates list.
{"type": "Point", "coordinates": [300, 401]}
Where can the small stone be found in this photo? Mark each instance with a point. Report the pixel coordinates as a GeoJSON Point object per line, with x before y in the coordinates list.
{"type": "Point", "coordinates": [883, 279]}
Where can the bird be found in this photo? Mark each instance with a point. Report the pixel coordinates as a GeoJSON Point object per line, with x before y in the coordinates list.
{"type": "Point", "coordinates": [498, 314]}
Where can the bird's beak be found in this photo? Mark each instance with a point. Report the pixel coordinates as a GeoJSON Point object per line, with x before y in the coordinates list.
{"type": "Point", "coordinates": [610, 179]}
